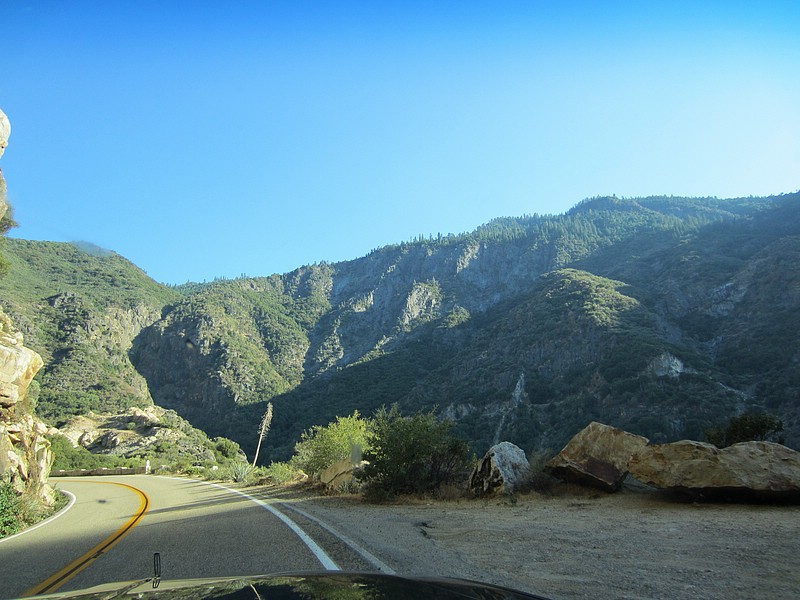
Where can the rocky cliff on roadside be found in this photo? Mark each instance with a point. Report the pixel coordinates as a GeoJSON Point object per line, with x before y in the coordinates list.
{"type": "Point", "coordinates": [25, 456]}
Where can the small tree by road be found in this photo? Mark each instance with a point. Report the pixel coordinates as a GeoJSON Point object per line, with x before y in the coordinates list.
{"type": "Point", "coordinates": [411, 455]}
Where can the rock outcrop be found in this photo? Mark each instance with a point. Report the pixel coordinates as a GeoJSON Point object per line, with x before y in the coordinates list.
{"type": "Point", "coordinates": [502, 470]}
{"type": "Point", "coordinates": [339, 475]}
{"type": "Point", "coordinates": [18, 364]}
{"type": "Point", "coordinates": [25, 456]}
{"type": "Point", "coordinates": [137, 432]}
{"type": "Point", "coordinates": [597, 456]}
{"type": "Point", "coordinates": [742, 472]}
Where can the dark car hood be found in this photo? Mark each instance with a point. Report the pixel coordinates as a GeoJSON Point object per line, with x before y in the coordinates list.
{"type": "Point", "coordinates": [300, 586]}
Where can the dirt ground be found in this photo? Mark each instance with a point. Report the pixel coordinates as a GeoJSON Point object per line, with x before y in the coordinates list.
{"type": "Point", "coordinates": [580, 544]}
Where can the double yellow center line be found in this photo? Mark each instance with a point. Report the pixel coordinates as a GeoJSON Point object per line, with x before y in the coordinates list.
{"type": "Point", "coordinates": [54, 582]}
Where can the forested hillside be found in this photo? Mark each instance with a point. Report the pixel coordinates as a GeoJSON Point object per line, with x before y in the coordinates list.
{"type": "Point", "coordinates": [661, 315]}
{"type": "Point", "coordinates": [81, 307]}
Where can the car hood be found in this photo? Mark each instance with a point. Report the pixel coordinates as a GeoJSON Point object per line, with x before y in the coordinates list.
{"type": "Point", "coordinates": [297, 586]}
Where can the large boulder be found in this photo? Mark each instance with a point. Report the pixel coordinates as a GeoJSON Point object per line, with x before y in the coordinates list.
{"type": "Point", "coordinates": [744, 471]}
{"type": "Point", "coordinates": [597, 456]}
{"type": "Point", "coordinates": [340, 475]}
{"type": "Point", "coordinates": [502, 470]}
{"type": "Point", "coordinates": [80, 430]}
{"type": "Point", "coordinates": [18, 364]}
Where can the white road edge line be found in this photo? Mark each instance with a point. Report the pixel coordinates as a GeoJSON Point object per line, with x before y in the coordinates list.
{"type": "Point", "coordinates": [46, 521]}
{"type": "Point", "coordinates": [365, 554]}
{"type": "Point", "coordinates": [320, 554]}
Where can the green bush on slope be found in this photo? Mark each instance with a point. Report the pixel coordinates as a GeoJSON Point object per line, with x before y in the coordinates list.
{"type": "Point", "coordinates": [322, 446]}
{"type": "Point", "coordinates": [411, 455]}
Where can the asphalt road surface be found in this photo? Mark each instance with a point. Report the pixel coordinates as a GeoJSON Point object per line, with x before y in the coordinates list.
{"type": "Point", "coordinates": [200, 530]}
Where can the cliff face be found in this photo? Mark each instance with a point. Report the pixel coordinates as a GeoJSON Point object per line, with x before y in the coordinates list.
{"type": "Point", "coordinates": [25, 456]}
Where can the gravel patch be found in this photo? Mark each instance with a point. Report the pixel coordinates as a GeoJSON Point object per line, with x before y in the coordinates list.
{"type": "Point", "coordinates": [579, 544]}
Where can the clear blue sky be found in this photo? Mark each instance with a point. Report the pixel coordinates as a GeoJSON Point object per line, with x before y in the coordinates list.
{"type": "Point", "coordinates": [204, 139]}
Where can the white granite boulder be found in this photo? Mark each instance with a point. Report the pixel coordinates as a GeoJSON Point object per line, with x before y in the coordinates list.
{"type": "Point", "coordinates": [502, 470]}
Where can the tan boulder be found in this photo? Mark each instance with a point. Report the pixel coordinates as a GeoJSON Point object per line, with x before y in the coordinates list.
{"type": "Point", "coordinates": [18, 364]}
{"type": "Point", "coordinates": [339, 475]}
{"type": "Point", "coordinates": [744, 471]}
{"type": "Point", "coordinates": [598, 456]}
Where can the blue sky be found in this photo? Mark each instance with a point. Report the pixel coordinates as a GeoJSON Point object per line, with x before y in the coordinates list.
{"type": "Point", "coordinates": [215, 139]}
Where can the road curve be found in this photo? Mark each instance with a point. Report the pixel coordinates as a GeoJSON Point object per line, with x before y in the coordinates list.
{"type": "Point", "coordinates": [200, 530]}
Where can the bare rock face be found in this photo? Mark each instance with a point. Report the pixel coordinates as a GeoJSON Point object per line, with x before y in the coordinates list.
{"type": "Point", "coordinates": [744, 471]}
{"type": "Point", "coordinates": [597, 456]}
{"type": "Point", "coordinates": [25, 456]}
{"type": "Point", "coordinates": [5, 132]}
{"type": "Point", "coordinates": [18, 364]}
{"type": "Point", "coordinates": [501, 470]}
{"type": "Point", "coordinates": [80, 430]}
{"type": "Point", "coordinates": [134, 432]}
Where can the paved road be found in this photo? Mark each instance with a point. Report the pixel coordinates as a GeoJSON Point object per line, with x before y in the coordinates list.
{"type": "Point", "coordinates": [200, 531]}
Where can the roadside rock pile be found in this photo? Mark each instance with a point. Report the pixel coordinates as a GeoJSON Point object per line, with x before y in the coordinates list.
{"type": "Point", "coordinates": [602, 456]}
{"type": "Point", "coordinates": [761, 471]}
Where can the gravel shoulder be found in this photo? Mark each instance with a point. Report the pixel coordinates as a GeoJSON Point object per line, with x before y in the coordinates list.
{"type": "Point", "coordinates": [579, 544]}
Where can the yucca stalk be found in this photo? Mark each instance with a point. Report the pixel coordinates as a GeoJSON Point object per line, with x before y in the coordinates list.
{"type": "Point", "coordinates": [263, 430]}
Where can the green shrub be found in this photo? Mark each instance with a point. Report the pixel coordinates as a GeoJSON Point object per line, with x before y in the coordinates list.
{"type": "Point", "coordinates": [70, 458]}
{"type": "Point", "coordinates": [280, 472]}
{"type": "Point", "coordinates": [240, 472]}
{"type": "Point", "coordinates": [225, 448]}
{"type": "Point", "coordinates": [411, 455]}
{"type": "Point", "coordinates": [745, 428]}
{"type": "Point", "coordinates": [197, 471]}
{"type": "Point", "coordinates": [321, 446]}
{"type": "Point", "coordinates": [10, 508]}
{"type": "Point", "coordinates": [18, 511]}
{"type": "Point", "coordinates": [537, 478]}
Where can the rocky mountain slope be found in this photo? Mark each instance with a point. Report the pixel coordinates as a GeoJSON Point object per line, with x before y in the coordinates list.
{"type": "Point", "coordinates": [660, 315]}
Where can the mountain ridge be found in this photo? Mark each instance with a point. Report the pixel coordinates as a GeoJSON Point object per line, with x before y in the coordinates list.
{"type": "Point", "coordinates": [545, 322]}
